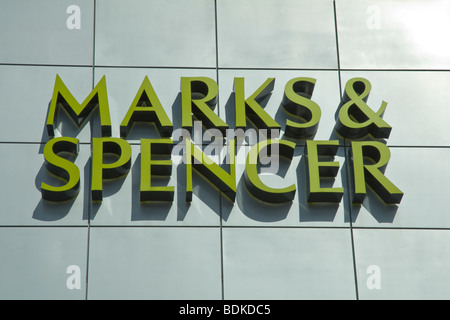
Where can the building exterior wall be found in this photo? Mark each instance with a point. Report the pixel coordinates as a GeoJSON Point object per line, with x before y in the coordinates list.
{"type": "Point", "coordinates": [213, 248]}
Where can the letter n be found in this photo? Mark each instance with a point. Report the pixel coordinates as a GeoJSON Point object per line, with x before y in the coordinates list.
{"type": "Point", "coordinates": [224, 181]}
{"type": "Point", "coordinates": [79, 113]}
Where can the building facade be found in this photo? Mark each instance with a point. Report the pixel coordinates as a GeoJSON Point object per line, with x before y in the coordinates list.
{"type": "Point", "coordinates": [213, 246]}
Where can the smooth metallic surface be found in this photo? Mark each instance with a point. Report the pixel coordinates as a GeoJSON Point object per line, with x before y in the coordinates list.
{"type": "Point", "coordinates": [26, 92]}
{"type": "Point", "coordinates": [262, 263]}
{"type": "Point", "coordinates": [37, 32]}
{"type": "Point", "coordinates": [417, 105]}
{"type": "Point", "coordinates": [398, 34]}
{"type": "Point", "coordinates": [250, 211]}
{"type": "Point", "coordinates": [164, 263]}
{"type": "Point", "coordinates": [411, 264]}
{"type": "Point", "coordinates": [123, 85]}
{"type": "Point", "coordinates": [211, 247]}
{"type": "Point", "coordinates": [23, 169]}
{"type": "Point", "coordinates": [35, 263]}
{"type": "Point", "coordinates": [326, 95]}
{"type": "Point", "coordinates": [424, 203]}
{"type": "Point", "coordinates": [155, 33]}
{"type": "Point", "coordinates": [121, 205]}
{"type": "Point", "coordinates": [276, 34]}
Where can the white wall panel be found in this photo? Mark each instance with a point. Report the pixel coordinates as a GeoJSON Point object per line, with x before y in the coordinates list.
{"type": "Point", "coordinates": [47, 32]}
{"type": "Point", "coordinates": [154, 263]}
{"type": "Point", "coordinates": [155, 33]}
{"type": "Point", "coordinates": [393, 34]}
{"type": "Point", "coordinates": [281, 34]}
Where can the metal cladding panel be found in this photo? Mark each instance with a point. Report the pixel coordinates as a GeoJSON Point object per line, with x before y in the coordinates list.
{"type": "Point", "coordinates": [393, 34]}
{"type": "Point", "coordinates": [378, 70]}
{"type": "Point", "coordinates": [251, 34]}
{"type": "Point", "coordinates": [155, 33]}
{"type": "Point", "coordinates": [47, 32]}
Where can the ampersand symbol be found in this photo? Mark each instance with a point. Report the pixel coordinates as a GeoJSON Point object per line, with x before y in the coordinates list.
{"type": "Point", "coordinates": [356, 119]}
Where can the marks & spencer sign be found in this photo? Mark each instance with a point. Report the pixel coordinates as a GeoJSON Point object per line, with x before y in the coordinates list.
{"type": "Point", "coordinates": [356, 122]}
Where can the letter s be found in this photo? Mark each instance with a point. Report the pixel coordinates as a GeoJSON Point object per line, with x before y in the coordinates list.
{"type": "Point", "coordinates": [61, 168]}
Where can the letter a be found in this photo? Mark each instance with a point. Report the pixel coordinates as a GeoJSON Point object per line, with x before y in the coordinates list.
{"type": "Point", "coordinates": [74, 20]}
{"type": "Point", "coordinates": [74, 280]}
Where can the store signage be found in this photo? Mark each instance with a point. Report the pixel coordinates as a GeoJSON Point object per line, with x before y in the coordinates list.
{"type": "Point", "coordinates": [356, 122]}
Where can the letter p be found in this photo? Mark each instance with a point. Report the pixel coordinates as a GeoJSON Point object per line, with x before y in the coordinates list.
{"type": "Point", "coordinates": [101, 170]}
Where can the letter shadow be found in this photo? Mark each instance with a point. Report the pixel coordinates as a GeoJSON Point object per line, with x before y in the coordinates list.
{"type": "Point", "coordinates": [141, 130]}
{"type": "Point", "coordinates": [176, 111]}
{"type": "Point", "coordinates": [67, 127]}
{"type": "Point", "coordinates": [315, 212]}
{"type": "Point", "coordinates": [140, 211]}
{"type": "Point", "coordinates": [110, 187]}
{"type": "Point", "coordinates": [254, 208]}
{"type": "Point", "coordinates": [281, 117]}
{"type": "Point", "coordinates": [159, 210]}
{"type": "Point", "coordinates": [49, 211]}
{"type": "Point", "coordinates": [144, 130]}
{"type": "Point", "coordinates": [230, 114]}
{"type": "Point", "coordinates": [336, 114]}
{"type": "Point", "coordinates": [382, 213]}
{"type": "Point", "coordinates": [334, 135]}
{"type": "Point", "coordinates": [230, 111]}
{"type": "Point", "coordinates": [44, 136]}
{"type": "Point", "coordinates": [345, 141]}
{"type": "Point", "coordinates": [203, 190]}
{"type": "Point", "coordinates": [262, 211]}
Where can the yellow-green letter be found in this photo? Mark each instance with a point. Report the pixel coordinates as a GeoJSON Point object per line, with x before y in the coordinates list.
{"type": "Point", "coordinates": [100, 170]}
{"type": "Point", "coordinates": [146, 107]}
{"type": "Point", "coordinates": [253, 182]}
{"type": "Point", "coordinates": [62, 168]}
{"type": "Point", "coordinates": [318, 169]}
{"type": "Point", "coordinates": [356, 119]}
{"type": "Point", "coordinates": [226, 182]}
{"type": "Point", "coordinates": [372, 174]}
{"type": "Point", "coordinates": [198, 98]}
{"type": "Point", "coordinates": [296, 102]}
{"type": "Point", "coordinates": [151, 167]}
{"type": "Point", "coordinates": [79, 112]}
{"type": "Point", "coordinates": [251, 108]}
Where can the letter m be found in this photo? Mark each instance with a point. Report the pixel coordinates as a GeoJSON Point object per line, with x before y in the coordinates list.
{"type": "Point", "coordinates": [79, 113]}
